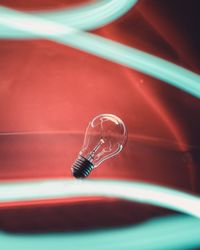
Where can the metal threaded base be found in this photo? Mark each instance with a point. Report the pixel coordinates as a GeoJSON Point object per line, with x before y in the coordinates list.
{"type": "Point", "coordinates": [81, 167]}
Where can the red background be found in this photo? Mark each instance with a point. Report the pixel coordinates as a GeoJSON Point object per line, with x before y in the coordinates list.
{"type": "Point", "coordinates": [46, 86]}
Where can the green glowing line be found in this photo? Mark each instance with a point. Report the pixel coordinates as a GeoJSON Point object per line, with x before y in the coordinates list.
{"type": "Point", "coordinates": [135, 59]}
{"type": "Point", "coordinates": [64, 27]}
{"type": "Point", "coordinates": [175, 232]}
{"type": "Point", "coordinates": [113, 51]}
{"type": "Point", "coordinates": [90, 16]}
{"type": "Point", "coordinates": [133, 191]}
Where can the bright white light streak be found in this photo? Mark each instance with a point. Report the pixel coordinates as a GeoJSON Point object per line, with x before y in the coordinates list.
{"type": "Point", "coordinates": [31, 24]}
{"type": "Point", "coordinates": [88, 16]}
{"type": "Point", "coordinates": [132, 191]}
{"type": "Point", "coordinates": [113, 51]}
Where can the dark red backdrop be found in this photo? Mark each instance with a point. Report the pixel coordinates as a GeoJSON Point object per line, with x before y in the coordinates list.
{"type": "Point", "coordinates": [50, 87]}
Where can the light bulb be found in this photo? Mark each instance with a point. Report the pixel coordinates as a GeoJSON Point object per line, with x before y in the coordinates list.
{"type": "Point", "coordinates": [105, 137]}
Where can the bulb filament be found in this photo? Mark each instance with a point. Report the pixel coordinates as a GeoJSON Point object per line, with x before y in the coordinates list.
{"type": "Point", "coordinates": [91, 155]}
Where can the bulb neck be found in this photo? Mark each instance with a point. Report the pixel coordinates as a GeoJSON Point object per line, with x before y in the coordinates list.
{"type": "Point", "coordinates": [82, 167]}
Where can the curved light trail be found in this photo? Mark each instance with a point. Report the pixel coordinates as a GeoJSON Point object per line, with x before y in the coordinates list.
{"type": "Point", "coordinates": [165, 233]}
{"type": "Point", "coordinates": [66, 27]}
{"type": "Point", "coordinates": [14, 21]}
{"type": "Point", "coordinates": [86, 17]}
{"type": "Point", "coordinates": [133, 191]}
{"type": "Point", "coordinates": [172, 232]}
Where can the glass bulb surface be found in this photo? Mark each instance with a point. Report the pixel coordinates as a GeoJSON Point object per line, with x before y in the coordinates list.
{"type": "Point", "coordinates": [105, 137]}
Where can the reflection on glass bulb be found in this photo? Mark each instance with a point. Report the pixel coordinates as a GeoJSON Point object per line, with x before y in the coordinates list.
{"type": "Point", "coordinates": [105, 137]}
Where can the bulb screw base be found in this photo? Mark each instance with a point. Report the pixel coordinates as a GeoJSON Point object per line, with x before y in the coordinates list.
{"type": "Point", "coordinates": [82, 167]}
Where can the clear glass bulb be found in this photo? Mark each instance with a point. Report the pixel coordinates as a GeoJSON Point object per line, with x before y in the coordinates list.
{"type": "Point", "coordinates": [105, 137]}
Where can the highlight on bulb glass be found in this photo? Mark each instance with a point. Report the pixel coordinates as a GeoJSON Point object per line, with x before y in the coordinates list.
{"type": "Point", "coordinates": [105, 137]}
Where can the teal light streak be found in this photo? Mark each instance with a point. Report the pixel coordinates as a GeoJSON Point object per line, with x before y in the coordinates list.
{"type": "Point", "coordinates": [96, 45]}
{"type": "Point", "coordinates": [64, 27]}
{"type": "Point", "coordinates": [151, 65]}
{"type": "Point", "coordinates": [133, 191]}
{"type": "Point", "coordinates": [175, 232]}
{"type": "Point", "coordinates": [90, 16]}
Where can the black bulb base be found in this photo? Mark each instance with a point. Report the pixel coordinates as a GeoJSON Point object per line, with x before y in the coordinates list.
{"type": "Point", "coordinates": [82, 167]}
